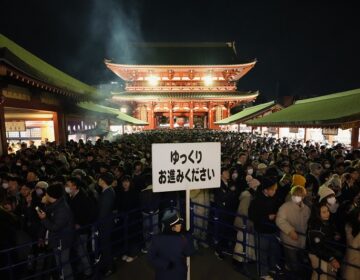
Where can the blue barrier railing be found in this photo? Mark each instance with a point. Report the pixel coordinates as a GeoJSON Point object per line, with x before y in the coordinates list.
{"type": "Point", "coordinates": [210, 230]}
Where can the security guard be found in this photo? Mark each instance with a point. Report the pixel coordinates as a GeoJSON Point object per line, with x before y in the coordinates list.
{"type": "Point", "coordinates": [169, 249]}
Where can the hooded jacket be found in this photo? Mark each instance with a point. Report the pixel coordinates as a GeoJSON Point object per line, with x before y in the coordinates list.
{"type": "Point", "coordinates": [59, 223]}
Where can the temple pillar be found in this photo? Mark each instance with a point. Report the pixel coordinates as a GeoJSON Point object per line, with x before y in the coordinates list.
{"type": "Point", "coordinates": [228, 107]}
{"type": "Point", "coordinates": [210, 116]}
{"type": "Point", "coordinates": [191, 117]}
{"type": "Point", "coordinates": [355, 136]}
{"type": "Point", "coordinates": [3, 146]}
{"type": "Point", "coordinates": [171, 116]}
{"type": "Point", "coordinates": [306, 136]}
{"type": "Point", "coordinates": [150, 115]}
{"type": "Point", "coordinates": [59, 128]}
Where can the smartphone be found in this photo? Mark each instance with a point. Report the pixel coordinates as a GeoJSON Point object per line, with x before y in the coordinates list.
{"type": "Point", "coordinates": [37, 208]}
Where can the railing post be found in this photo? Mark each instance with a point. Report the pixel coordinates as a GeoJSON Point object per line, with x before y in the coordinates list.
{"type": "Point", "coordinates": [126, 231]}
{"type": "Point", "coordinates": [95, 234]}
{"type": "Point", "coordinates": [216, 226]}
{"type": "Point", "coordinates": [192, 211]}
{"type": "Point", "coordinates": [60, 265]}
{"type": "Point", "coordinates": [11, 272]}
{"type": "Point", "coordinates": [245, 230]}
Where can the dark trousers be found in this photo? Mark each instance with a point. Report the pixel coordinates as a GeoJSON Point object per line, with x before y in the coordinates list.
{"type": "Point", "coordinates": [268, 251]}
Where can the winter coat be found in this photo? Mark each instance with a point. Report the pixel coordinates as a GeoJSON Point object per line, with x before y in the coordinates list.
{"type": "Point", "coordinates": [83, 209]}
{"type": "Point", "coordinates": [106, 206]}
{"type": "Point", "coordinates": [224, 197]}
{"type": "Point", "coordinates": [320, 240]}
{"type": "Point", "coordinates": [260, 209]}
{"type": "Point", "coordinates": [59, 223]}
{"type": "Point", "coordinates": [352, 255]}
{"type": "Point", "coordinates": [168, 254]}
{"type": "Point", "coordinates": [293, 217]}
{"type": "Point", "coordinates": [149, 200]}
{"type": "Point", "coordinates": [243, 210]}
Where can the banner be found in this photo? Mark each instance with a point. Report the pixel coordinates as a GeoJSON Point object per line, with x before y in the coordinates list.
{"type": "Point", "coordinates": [15, 126]}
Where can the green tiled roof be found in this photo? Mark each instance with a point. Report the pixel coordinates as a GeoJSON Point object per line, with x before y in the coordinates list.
{"type": "Point", "coordinates": [26, 62]}
{"type": "Point", "coordinates": [246, 113]}
{"type": "Point", "coordinates": [328, 110]}
{"type": "Point", "coordinates": [111, 111]}
{"type": "Point", "coordinates": [144, 96]}
{"type": "Point", "coordinates": [179, 54]}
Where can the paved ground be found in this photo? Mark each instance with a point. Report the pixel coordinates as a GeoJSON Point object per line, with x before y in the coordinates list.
{"type": "Point", "coordinates": [204, 266]}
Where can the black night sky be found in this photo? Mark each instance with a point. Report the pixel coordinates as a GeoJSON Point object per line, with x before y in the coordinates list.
{"type": "Point", "coordinates": [303, 48]}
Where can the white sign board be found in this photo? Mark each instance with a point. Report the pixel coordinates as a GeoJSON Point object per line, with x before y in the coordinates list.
{"type": "Point", "coordinates": [184, 166]}
{"type": "Point", "coordinates": [330, 131]}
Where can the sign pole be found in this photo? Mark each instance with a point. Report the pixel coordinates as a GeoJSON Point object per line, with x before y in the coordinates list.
{"type": "Point", "coordinates": [188, 227]}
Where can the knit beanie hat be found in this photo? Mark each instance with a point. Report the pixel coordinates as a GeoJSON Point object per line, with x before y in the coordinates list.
{"type": "Point", "coordinates": [267, 183]}
{"type": "Point", "coordinates": [55, 191]}
{"type": "Point", "coordinates": [261, 166]}
{"type": "Point", "coordinates": [298, 180]}
{"type": "Point", "coordinates": [324, 192]}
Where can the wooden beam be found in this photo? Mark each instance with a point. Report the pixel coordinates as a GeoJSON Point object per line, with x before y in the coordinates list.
{"type": "Point", "coordinates": [355, 136]}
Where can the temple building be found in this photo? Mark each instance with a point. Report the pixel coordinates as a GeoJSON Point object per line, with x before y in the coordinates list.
{"type": "Point", "coordinates": [180, 84]}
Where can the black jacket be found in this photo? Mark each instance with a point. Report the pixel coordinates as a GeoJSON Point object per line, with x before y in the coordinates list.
{"type": "Point", "coordinates": [59, 223]}
{"type": "Point", "coordinates": [83, 209]}
{"type": "Point", "coordinates": [106, 206]}
{"type": "Point", "coordinates": [149, 200]}
{"type": "Point", "coordinates": [168, 254]}
{"type": "Point", "coordinates": [224, 197]}
{"type": "Point", "coordinates": [260, 209]}
{"type": "Point", "coordinates": [320, 240]}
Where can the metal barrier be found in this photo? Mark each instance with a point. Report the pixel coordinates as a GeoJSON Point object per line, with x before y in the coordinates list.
{"type": "Point", "coordinates": [218, 233]}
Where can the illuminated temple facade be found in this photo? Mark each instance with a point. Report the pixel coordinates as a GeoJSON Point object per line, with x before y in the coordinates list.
{"type": "Point", "coordinates": [173, 85]}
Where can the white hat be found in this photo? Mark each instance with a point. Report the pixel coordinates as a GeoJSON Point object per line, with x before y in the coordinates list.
{"type": "Point", "coordinates": [325, 191]}
{"type": "Point", "coordinates": [42, 184]}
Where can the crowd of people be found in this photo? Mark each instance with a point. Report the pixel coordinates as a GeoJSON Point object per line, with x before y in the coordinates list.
{"type": "Point", "coordinates": [299, 201]}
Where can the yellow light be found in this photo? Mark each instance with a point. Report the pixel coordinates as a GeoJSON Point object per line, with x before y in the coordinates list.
{"type": "Point", "coordinates": [153, 80]}
{"type": "Point", "coordinates": [208, 80]}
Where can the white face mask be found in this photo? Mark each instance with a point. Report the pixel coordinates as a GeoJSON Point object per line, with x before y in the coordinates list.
{"type": "Point", "coordinates": [234, 176]}
{"type": "Point", "coordinates": [331, 200]}
{"type": "Point", "coordinates": [327, 166]}
{"type": "Point", "coordinates": [296, 199]}
{"type": "Point", "coordinates": [39, 192]}
{"type": "Point", "coordinates": [67, 190]}
{"type": "Point", "coordinates": [18, 163]}
{"type": "Point", "coordinates": [42, 168]}
{"type": "Point", "coordinates": [250, 171]}
{"type": "Point", "coordinates": [5, 185]}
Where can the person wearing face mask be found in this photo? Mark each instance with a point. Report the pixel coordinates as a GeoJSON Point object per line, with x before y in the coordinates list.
{"type": "Point", "coordinates": [292, 219]}
{"type": "Point", "coordinates": [84, 212]}
{"type": "Point", "coordinates": [328, 195]}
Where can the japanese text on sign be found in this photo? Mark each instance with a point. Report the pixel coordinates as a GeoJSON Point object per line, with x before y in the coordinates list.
{"type": "Point", "coordinates": [185, 166]}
